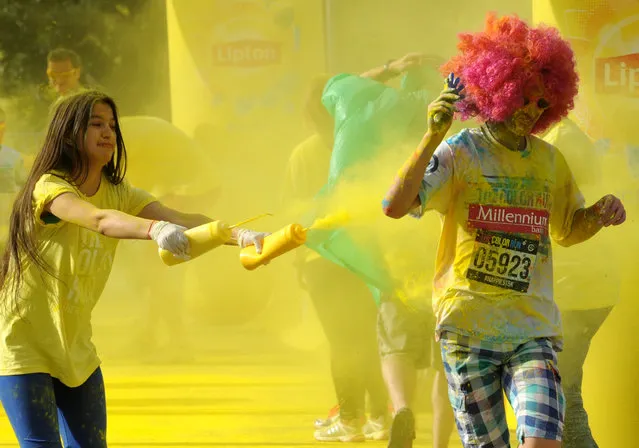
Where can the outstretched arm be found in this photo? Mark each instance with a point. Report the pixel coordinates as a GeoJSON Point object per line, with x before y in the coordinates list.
{"type": "Point", "coordinates": [113, 223]}
{"type": "Point", "coordinates": [156, 211]}
{"type": "Point", "coordinates": [393, 69]}
{"type": "Point", "coordinates": [116, 224]}
{"type": "Point", "coordinates": [159, 212]}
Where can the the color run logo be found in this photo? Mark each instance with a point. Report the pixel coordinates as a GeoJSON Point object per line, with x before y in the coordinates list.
{"type": "Point", "coordinates": [508, 219]}
{"type": "Point", "coordinates": [247, 53]}
{"type": "Point", "coordinates": [618, 75]}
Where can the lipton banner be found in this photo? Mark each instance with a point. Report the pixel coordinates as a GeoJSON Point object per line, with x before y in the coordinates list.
{"type": "Point", "coordinates": [242, 63]}
{"type": "Point", "coordinates": [605, 37]}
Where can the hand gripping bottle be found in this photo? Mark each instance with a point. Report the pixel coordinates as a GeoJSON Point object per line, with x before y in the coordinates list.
{"type": "Point", "coordinates": [201, 240]}
{"type": "Point", "coordinates": [276, 244]}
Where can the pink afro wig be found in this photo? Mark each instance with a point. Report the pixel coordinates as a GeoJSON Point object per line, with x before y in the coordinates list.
{"type": "Point", "coordinates": [502, 64]}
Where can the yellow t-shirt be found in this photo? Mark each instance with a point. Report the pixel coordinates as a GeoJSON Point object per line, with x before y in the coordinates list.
{"type": "Point", "coordinates": [51, 332]}
{"type": "Point", "coordinates": [493, 274]}
{"type": "Point", "coordinates": [307, 169]}
{"type": "Point", "coordinates": [306, 174]}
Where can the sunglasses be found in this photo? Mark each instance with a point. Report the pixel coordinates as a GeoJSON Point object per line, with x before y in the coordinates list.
{"type": "Point", "coordinates": [60, 75]}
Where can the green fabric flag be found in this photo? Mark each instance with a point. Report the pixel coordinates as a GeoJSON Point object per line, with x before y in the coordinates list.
{"type": "Point", "coordinates": [368, 117]}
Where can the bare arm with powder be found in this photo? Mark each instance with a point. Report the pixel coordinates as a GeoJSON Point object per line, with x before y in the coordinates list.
{"type": "Point", "coordinates": [395, 68]}
{"type": "Point", "coordinates": [403, 194]}
{"type": "Point", "coordinates": [116, 224]}
{"type": "Point", "coordinates": [112, 223]}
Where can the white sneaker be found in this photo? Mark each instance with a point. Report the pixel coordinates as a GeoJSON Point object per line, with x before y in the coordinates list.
{"type": "Point", "coordinates": [333, 416]}
{"type": "Point", "coordinates": [377, 429]}
{"type": "Point", "coordinates": [340, 431]}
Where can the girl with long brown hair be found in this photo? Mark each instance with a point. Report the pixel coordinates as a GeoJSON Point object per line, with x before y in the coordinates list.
{"type": "Point", "coordinates": [64, 229]}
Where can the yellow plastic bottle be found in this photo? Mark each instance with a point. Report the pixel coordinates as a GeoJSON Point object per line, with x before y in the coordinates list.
{"type": "Point", "coordinates": [276, 244]}
{"type": "Point", "coordinates": [201, 240]}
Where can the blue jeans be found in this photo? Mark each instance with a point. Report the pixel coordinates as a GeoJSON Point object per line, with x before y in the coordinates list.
{"type": "Point", "coordinates": [41, 410]}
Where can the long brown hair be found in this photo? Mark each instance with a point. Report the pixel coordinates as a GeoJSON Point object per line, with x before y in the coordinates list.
{"type": "Point", "coordinates": [61, 154]}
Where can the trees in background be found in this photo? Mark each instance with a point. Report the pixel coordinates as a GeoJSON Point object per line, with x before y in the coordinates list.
{"type": "Point", "coordinates": [122, 43]}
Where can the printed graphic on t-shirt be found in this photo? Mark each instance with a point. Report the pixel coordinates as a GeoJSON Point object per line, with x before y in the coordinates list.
{"type": "Point", "coordinates": [92, 259]}
{"type": "Point", "coordinates": [507, 242]}
{"type": "Point", "coordinates": [503, 259]}
{"type": "Point", "coordinates": [508, 219]}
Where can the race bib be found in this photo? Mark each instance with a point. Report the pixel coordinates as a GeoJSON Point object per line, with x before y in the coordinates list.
{"type": "Point", "coordinates": [503, 259]}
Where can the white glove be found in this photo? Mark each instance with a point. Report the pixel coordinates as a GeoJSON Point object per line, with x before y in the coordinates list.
{"type": "Point", "coordinates": [170, 237]}
{"type": "Point", "coordinates": [246, 237]}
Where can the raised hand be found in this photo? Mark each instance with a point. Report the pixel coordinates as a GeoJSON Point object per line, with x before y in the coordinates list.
{"type": "Point", "coordinates": [442, 110]}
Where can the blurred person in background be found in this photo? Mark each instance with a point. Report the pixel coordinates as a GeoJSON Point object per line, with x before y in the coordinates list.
{"type": "Point", "coordinates": [64, 68]}
{"type": "Point", "coordinates": [344, 305]}
{"type": "Point", "coordinates": [370, 117]}
{"type": "Point", "coordinates": [584, 295]}
{"type": "Point", "coordinates": [406, 326]}
{"type": "Point", "coordinates": [191, 185]}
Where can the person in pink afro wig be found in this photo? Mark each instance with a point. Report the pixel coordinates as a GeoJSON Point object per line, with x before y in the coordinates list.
{"type": "Point", "coordinates": [503, 195]}
{"type": "Point", "coordinates": [508, 65]}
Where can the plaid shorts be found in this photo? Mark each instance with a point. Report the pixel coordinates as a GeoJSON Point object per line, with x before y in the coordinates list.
{"type": "Point", "coordinates": [480, 372]}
